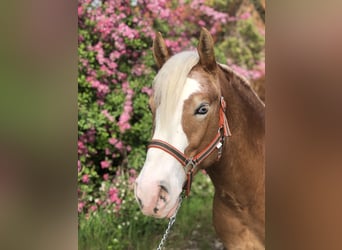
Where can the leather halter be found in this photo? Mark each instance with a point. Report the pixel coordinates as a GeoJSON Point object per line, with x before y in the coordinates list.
{"type": "Point", "coordinates": [190, 163]}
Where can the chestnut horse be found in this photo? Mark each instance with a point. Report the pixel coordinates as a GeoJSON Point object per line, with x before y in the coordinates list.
{"type": "Point", "coordinates": [194, 100]}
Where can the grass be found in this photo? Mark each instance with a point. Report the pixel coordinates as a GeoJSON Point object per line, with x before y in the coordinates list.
{"type": "Point", "coordinates": [193, 228]}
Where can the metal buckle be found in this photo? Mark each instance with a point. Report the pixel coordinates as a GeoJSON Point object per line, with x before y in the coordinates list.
{"type": "Point", "coordinates": [223, 103]}
{"type": "Point", "coordinates": [189, 166]}
{"type": "Point", "coordinates": [219, 148]}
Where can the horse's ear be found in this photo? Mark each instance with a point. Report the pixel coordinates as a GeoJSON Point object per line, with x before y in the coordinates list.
{"type": "Point", "coordinates": [160, 52]}
{"type": "Point", "coordinates": [205, 50]}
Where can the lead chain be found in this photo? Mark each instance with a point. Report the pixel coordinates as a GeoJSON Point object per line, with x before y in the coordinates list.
{"type": "Point", "coordinates": [171, 222]}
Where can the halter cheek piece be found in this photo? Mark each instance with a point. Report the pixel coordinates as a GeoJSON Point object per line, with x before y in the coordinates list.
{"type": "Point", "coordinates": [190, 163]}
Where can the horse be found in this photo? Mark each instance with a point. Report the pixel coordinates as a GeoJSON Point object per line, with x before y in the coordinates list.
{"type": "Point", "coordinates": [206, 117]}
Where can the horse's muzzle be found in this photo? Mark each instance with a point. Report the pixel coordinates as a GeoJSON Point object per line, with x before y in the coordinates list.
{"type": "Point", "coordinates": [154, 200]}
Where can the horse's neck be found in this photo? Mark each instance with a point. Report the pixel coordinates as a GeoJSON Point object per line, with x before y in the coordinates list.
{"type": "Point", "coordinates": [240, 172]}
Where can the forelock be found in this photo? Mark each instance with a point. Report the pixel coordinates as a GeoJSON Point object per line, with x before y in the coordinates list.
{"type": "Point", "coordinates": [170, 80]}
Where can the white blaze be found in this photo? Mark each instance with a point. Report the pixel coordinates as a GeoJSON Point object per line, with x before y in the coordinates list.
{"type": "Point", "coordinates": [160, 166]}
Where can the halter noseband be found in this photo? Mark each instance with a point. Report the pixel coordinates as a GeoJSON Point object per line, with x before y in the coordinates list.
{"type": "Point", "coordinates": [190, 163]}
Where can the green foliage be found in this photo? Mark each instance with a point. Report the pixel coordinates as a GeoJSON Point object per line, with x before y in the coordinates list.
{"type": "Point", "coordinates": [245, 47]}
{"type": "Point", "coordinates": [252, 38]}
{"type": "Point", "coordinates": [116, 71]}
{"type": "Point", "coordinates": [131, 230]}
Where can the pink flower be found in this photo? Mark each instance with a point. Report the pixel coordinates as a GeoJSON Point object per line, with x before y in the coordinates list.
{"type": "Point", "coordinates": [82, 150]}
{"type": "Point", "coordinates": [250, 74]}
{"type": "Point", "coordinates": [112, 65]}
{"type": "Point", "coordinates": [125, 86]}
{"type": "Point", "coordinates": [113, 196]}
{"type": "Point", "coordinates": [245, 16]}
{"type": "Point", "coordinates": [164, 13]}
{"type": "Point", "coordinates": [240, 70]}
{"type": "Point", "coordinates": [119, 145]}
{"type": "Point", "coordinates": [80, 206]}
{"type": "Point", "coordinates": [201, 23]}
{"type": "Point", "coordinates": [121, 76]}
{"type": "Point", "coordinates": [113, 141]}
{"type": "Point", "coordinates": [93, 208]}
{"type": "Point", "coordinates": [114, 55]}
{"type": "Point", "coordinates": [124, 118]}
{"type": "Point", "coordinates": [100, 102]}
{"type": "Point", "coordinates": [107, 115]}
{"type": "Point", "coordinates": [128, 108]}
{"type": "Point", "coordinates": [138, 69]}
{"type": "Point", "coordinates": [106, 177]}
{"type": "Point", "coordinates": [131, 180]}
{"type": "Point", "coordinates": [85, 178]}
{"type": "Point", "coordinates": [79, 166]}
{"type": "Point", "coordinates": [112, 191]}
{"type": "Point", "coordinates": [132, 172]}
{"type": "Point", "coordinates": [147, 90]}
{"type": "Point", "coordinates": [91, 135]}
{"type": "Point", "coordinates": [103, 89]}
{"type": "Point", "coordinates": [105, 164]}
{"type": "Point", "coordinates": [106, 70]}
{"type": "Point", "coordinates": [80, 10]}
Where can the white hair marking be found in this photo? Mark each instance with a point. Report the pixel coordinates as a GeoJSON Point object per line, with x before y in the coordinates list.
{"type": "Point", "coordinates": [170, 80]}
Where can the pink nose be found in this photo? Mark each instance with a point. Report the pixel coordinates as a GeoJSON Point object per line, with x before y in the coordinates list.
{"type": "Point", "coordinates": [152, 198]}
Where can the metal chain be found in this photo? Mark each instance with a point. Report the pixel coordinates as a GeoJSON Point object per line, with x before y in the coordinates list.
{"type": "Point", "coordinates": [171, 222]}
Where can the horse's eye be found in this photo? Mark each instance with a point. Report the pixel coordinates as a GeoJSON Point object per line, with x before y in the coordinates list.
{"type": "Point", "coordinates": [202, 110]}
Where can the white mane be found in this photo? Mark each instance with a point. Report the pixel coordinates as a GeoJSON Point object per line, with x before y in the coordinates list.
{"type": "Point", "coordinates": [169, 82]}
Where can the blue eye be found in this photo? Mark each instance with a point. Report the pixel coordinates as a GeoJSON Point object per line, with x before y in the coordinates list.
{"type": "Point", "coordinates": [202, 110]}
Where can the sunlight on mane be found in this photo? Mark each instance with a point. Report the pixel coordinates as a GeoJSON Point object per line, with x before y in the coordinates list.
{"type": "Point", "coordinates": [170, 80]}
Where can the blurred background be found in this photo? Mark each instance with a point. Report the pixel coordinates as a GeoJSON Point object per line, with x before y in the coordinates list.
{"type": "Point", "coordinates": [46, 203]}
{"type": "Point", "coordinates": [115, 73]}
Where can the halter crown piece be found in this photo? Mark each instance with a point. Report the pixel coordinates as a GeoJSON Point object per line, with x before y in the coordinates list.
{"type": "Point", "coordinates": [190, 163]}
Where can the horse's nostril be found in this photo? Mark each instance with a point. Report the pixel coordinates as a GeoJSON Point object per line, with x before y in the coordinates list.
{"type": "Point", "coordinates": [163, 198]}
{"type": "Point", "coordinates": [163, 188]}
{"type": "Point", "coordinates": [163, 193]}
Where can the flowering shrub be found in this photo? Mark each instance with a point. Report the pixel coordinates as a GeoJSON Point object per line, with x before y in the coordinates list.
{"type": "Point", "coordinates": [116, 69]}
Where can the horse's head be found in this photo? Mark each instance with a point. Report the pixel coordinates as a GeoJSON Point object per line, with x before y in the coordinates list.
{"type": "Point", "coordinates": [186, 110]}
